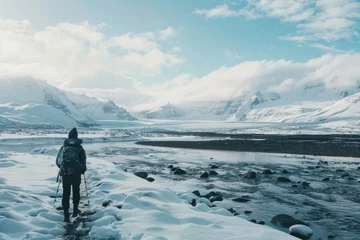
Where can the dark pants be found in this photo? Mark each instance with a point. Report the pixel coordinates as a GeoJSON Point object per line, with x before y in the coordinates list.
{"type": "Point", "coordinates": [69, 181]}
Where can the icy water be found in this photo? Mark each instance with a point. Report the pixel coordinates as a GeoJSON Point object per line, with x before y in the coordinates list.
{"type": "Point", "coordinates": [331, 208]}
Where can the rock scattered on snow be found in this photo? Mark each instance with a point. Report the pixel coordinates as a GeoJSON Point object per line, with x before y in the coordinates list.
{"type": "Point", "coordinates": [197, 193]}
{"type": "Point", "coordinates": [213, 173]}
{"type": "Point", "coordinates": [179, 171]}
{"type": "Point", "coordinates": [261, 223]}
{"type": "Point", "coordinates": [326, 179]}
{"type": "Point", "coordinates": [204, 175]}
{"type": "Point", "coordinates": [249, 175]}
{"type": "Point", "coordinates": [283, 179]}
{"type": "Point", "coordinates": [216, 199]}
{"type": "Point", "coordinates": [106, 203]}
{"type": "Point", "coordinates": [285, 171]}
{"type": "Point", "coordinates": [241, 199]}
{"type": "Point", "coordinates": [286, 221]}
{"type": "Point", "coordinates": [301, 231]}
{"type": "Point", "coordinates": [143, 175]}
{"type": "Point", "coordinates": [214, 166]}
{"type": "Point", "coordinates": [267, 171]}
{"type": "Point", "coordinates": [150, 179]}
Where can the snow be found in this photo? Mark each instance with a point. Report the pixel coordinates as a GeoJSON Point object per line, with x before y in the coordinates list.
{"type": "Point", "coordinates": [302, 231]}
{"type": "Point", "coordinates": [149, 210]}
{"type": "Point", "coordinates": [27, 102]}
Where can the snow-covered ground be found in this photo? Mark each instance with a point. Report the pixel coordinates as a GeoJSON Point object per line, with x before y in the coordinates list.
{"type": "Point", "coordinates": [138, 210]}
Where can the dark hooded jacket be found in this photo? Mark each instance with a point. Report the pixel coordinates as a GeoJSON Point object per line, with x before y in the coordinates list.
{"type": "Point", "coordinates": [73, 140]}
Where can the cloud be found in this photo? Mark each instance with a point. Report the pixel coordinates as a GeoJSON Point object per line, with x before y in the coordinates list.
{"type": "Point", "coordinates": [315, 20]}
{"type": "Point", "coordinates": [228, 53]}
{"type": "Point", "coordinates": [283, 76]}
{"type": "Point", "coordinates": [224, 11]}
{"type": "Point", "coordinates": [176, 49]}
{"type": "Point", "coordinates": [80, 55]}
{"type": "Point", "coordinates": [167, 33]}
{"type": "Point", "coordinates": [326, 48]}
{"type": "Point", "coordinates": [131, 41]}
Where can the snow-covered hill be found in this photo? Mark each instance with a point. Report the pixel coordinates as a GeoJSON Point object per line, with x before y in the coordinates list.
{"type": "Point", "coordinates": [310, 104]}
{"type": "Point", "coordinates": [28, 102]}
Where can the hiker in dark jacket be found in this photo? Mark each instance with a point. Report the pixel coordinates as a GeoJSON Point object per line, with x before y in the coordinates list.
{"type": "Point", "coordinates": [72, 163]}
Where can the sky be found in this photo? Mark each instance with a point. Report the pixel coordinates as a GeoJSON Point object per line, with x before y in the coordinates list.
{"type": "Point", "coordinates": [145, 53]}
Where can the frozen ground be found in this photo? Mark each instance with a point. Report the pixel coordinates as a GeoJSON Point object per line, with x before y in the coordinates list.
{"type": "Point", "coordinates": [139, 209]}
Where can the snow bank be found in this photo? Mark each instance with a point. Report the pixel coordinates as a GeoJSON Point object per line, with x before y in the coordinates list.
{"type": "Point", "coordinates": [137, 209]}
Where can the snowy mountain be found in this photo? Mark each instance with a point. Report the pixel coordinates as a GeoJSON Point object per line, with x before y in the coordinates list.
{"type": "Point", "coordinates": [311, 103]}
{"type": "Point", "coordinates": [28, 102]}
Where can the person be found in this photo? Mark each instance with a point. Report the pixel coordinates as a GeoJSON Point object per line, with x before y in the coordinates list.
{"type": "Point", "coordinates": [71, 161]}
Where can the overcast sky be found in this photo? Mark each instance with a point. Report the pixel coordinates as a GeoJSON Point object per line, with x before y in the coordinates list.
{"type": "Point", "coordinates": [146, 53]}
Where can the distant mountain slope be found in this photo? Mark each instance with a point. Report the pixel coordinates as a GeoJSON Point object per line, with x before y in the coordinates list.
{"type": "Point", "coordinates": [32, 102]}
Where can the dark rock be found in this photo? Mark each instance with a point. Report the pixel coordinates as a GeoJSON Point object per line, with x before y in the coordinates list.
{"type": "Point", "coordinates": [248, 212]}
{"type": "Point", "coordinates": [211, 158]}
{"type": "Point", "coordinates": [351, 178]}
{"type": "Point", "coordinates": [196, 193]}
{"type": "Point", "coordinates": [193, 202]}
{"type": "Point", "coordinates": [236, 214]}
{"type": "Point", "coordinates": [285, 171]}
{"type": "Point", "coordinates": [214, 167]}
{"type": "Point", "coordinates": [339, 170]}
{"type": "Point", "coordinates": [285, 220]}
{"type": "Point", "coordinates": [205, 175]}
{"type": "Point", "coordinates": [150, 179]}
{"type": "Point", "coordinates": [179, 171]}
{"type": "Point", "coordinates": [216, 199]}
{"type": "Point", "coordinates": [294, 186]}
{"type": "Point", "coordinates": [261, 222]}
{"type": "Point", "coordinates": [174, 169]}
{"type": "Point", "coordinates": [310, 167]}
{"type": "Point", "coordinates": [358, 168]}
{"type": "Point", "coordinates": [213, 173]}
{"type": "Point", "coordinates": [253, 220]}
{"type": "Point", "coordinates": [345, 175]}
{"type": "Point", "coordinates": [305, 184]}
{"type": "Point", "coordinates": [119, 206]}
{"type": "Point", "coordinates": [106, 203]}
{"type": "Point", "coordinates": [283, 179]}
{"type": "Point", "coordinates": [241, 199]}
{"type": "Point", "coordinates": [231, 210]}
{"type": "Point", "coordinates": [267, 171]}
{"type": "Point", "coordinates": [59, 208]}
{"type": "Point", "coordinates": [171, 166]}
{"type": "Point", "coordinates": [326, 179]}
{"type": "Point", "coordinates": [331, 237]}
{"type": "Point", "coordinates": [249, 175]}
{"type": "Point", "coordinates": [143, 175]}
{"type": "Point", "coordinates": [212, 194]}
{"type": "Point", "coordinates": [317, 166]}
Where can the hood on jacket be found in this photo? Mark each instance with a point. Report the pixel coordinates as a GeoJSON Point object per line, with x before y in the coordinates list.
{"type": "Point", "coordinates": [73, 141]}
{"type": "Point", "coordinates": [73, 133]}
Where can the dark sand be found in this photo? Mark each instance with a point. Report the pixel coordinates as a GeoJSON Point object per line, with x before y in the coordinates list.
{"type": "Point", "coordinates": [322, 145]}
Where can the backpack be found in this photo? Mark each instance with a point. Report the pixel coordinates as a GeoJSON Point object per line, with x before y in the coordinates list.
{"type": "Point", "coordinates": [70, 164]}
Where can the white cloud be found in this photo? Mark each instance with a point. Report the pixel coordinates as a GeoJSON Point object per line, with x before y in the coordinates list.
{"type": "Point", "coordinates": [80, 55]}
{"type": "Point", "coordinates": [167, 33]}
{"type": "Point", "coordinates": [225, 11]}
{"type": "Point", "coordinates": [326, 48]}
{"type": "Point", "coordinates": [176, 49]}
{"type": "Point", "coordinates": [285, 77]}
{"type": "Point", "coordinates": [315, 20]}
{"type": "Point", "coordinates": [230, 54]}
{"type": "Point", "coordinates": [131, 41]}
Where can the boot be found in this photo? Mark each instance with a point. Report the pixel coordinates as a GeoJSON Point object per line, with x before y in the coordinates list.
{"type": "Point", "coordinates": [66, 216]}
{"type": "Point", "coordinates": [76, 210]}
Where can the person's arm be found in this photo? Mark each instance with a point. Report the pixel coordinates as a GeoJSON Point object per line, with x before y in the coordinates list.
{"type": "Point", "coordinates": [59, 157]}
{"type": "Point", "coordinates": [82, 160]}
